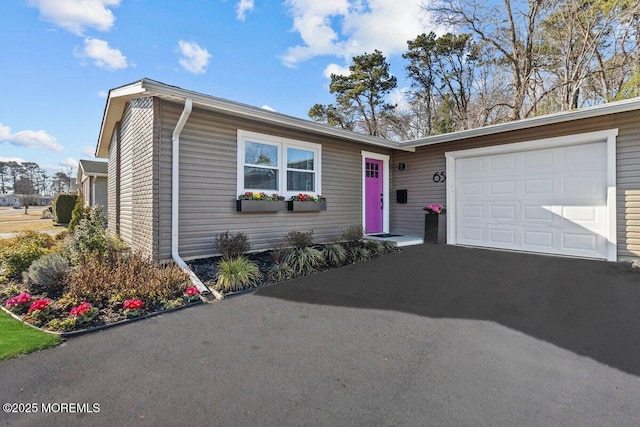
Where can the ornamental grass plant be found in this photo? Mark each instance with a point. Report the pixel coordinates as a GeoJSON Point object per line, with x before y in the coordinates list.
{"type": "Point", "coordinates": [237, 274]}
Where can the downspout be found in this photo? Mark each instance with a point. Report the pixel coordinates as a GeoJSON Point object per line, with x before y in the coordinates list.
{"type": "Point", "coordinates": [175, 200]}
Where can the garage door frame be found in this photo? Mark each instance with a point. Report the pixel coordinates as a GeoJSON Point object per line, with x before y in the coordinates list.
{"type": "Point", "coordinates": [608, 136]}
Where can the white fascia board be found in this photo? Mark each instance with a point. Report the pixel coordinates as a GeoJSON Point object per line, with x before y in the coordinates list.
{"type": "Point", "coordinates": [153, 88]}
{"type": "Point", "coordinates": [565, 116]}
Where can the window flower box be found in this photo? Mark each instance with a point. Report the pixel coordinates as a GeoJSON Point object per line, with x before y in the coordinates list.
{"type": "Point", "coordinates": [260, 202]}
{"type": "Point", "coordinates": [307, 203]}
{"type": "Point", "coordinates": [260, 205]}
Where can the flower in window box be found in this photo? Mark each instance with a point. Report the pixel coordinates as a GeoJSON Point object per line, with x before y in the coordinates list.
{"type": "Point", "coordinates": [249, 195]}
{"type": "Point", "coordinates": [435, 209]}
{"type": "Point", "coordinates": [301, 197]}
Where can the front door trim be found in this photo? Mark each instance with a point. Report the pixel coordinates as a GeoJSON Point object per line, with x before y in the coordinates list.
{"type": "Point", "coordinates": [385, 187]}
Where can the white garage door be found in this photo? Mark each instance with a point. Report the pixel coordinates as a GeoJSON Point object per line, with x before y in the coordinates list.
{"type": "Point", "coordinates": [551, 200]}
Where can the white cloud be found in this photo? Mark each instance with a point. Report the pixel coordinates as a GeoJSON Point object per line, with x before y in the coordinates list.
{"type": "Point", "coordinates": [102, 55]}
{"type": "Point", "coordinates": [89, 151]}
{"type": "Point", "coordinates": [194, 58]}
{"type": "Point", "coordinates": [12, 159]}
{"type": "Point", "coordinates": [69, 162]}
{"type": "Point", "coordinates": [29, 139]}
{"type": "Point", "coordinates": [400, 98]}
{"type": "Point", "coordinates": [242, 8]}
{"type": "Point", "coordinates": [268, 108]}
{"type": "Point", "coordinates": [103, 93]}
{"type": "Point", "coordinates": [346, 28]}
{"type": "Point", "coordinates": [77, 15]}
{"type": "Point", "coordinates": [337, 70]}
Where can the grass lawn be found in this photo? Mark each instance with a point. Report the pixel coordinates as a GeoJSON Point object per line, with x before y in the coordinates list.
{"type": "Point", "coordinates": [15, 220]}
{"type": "Point", "coordinates": [17, 338]}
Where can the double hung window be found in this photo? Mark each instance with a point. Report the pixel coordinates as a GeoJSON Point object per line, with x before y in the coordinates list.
{"type": "Point", "coordinates": [273, 164]}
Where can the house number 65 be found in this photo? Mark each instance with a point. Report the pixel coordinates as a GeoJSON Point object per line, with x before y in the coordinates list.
{"type": "Point", "coordinates": [439, 177]}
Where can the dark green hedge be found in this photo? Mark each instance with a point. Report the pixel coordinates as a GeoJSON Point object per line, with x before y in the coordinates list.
{"type": "Point", "coordinates": [63, 206]}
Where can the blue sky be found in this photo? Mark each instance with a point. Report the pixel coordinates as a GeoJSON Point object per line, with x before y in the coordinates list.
{"type": "Point", "coordinates": [60, 58]}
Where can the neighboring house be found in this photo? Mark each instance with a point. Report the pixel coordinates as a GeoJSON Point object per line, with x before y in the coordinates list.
{"type": "Point", "coordinates": [567, 183]}
{"type": "Point", "coordinates": [7, 199]}
{"type": "Point", "coordinates": [92, 179]}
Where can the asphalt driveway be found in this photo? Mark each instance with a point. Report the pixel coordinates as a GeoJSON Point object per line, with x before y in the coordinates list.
{"type": "Point", "coordinates": [435, 335]}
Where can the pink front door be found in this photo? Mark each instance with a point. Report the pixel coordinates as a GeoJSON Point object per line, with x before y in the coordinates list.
{"type": "Point", "coordinates": [374, 197]}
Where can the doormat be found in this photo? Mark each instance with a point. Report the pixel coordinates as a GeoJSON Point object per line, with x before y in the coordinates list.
{"type": "Point", "coordinates": [385, 235]}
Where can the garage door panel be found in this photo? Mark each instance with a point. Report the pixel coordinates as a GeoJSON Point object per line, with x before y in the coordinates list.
{"type": "Point", "coordinates": [503, 212]}
{"type": "Point", "coordinates": [503, 188]}
{"type": "Point", "coordinates": [542, 240]}
{"type": "Point", "coordinates": [506, 162]}
{"type": "Point", "coordinates": [503, 237]}
{"type": "Point", "coordinates": [552, 200]}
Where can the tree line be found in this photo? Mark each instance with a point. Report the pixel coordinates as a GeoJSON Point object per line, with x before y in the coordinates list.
{"type": "Point", "coordinates": [28, 178]}
{"type": "Point", "coordinates": [502, 61]}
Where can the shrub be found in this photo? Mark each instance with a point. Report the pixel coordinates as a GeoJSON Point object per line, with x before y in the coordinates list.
{"type": "Point", "coordinates": [374, 247]}
{"type": "Point", "coordinates": [232, 245]}
{"type": "Point", "coordinates": [79, 212]}
{"type": "Point", "coordinates": [334, 254]}
{"type": "Point", "coordinates": [63, 205]}
{"type": "Point", "coordinates": [304, 260]}
{"type": "Point", "coordinates": [359, 253]}
{"type": "Point", "coordinates": [280, 272]}
{"type": "Point", "coordinates": [299, 239]}
{"type": "Point", "coordinates": [47, 275]}
{"type": "Point", "coordinates": [134, 277]}
{"type": "Point", "coordinates": [352, 236]}
{"type": "Point", "coordinates": [17, 254]}
{"type": "Point", "coordinates": [237, 274]}
{"type": "Point", "coordinates": [89, 238]}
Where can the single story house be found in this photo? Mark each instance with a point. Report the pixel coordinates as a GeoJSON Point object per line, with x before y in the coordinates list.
{"type": "Point", "coordinates": [92, 178]}
{"type": "Point", "coordinates": [565, 184]}
{"type": "Point", "coordinates": [7, 199]}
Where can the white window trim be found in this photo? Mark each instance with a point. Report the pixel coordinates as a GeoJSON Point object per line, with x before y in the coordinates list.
{"type": "Point", "coordinates": [282, 144]}
{"type": "Point", "coordinates": [609, 136]}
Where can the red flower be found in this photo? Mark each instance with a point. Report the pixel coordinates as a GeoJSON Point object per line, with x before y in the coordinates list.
{"type": "Point", "coordinates": [191, 291]}
{"type": "Point", "coordinates": [133, 304]}
{"type": "Point", "coordinates": [39, 305]}
{"type": "Point", "coordinates": [22, 299]}
{"type": "Point", "coordinates": [81, 310]}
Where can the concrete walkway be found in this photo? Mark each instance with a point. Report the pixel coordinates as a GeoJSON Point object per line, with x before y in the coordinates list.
{"type": "Point", "coordinates": [435, 335]}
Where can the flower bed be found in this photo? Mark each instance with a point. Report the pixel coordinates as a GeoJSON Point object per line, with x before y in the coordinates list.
{"type": "Point", "coordinates": [85, 281]}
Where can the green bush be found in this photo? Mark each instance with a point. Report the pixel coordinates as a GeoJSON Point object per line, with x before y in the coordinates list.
{"type": "Point", "coordinates": [47, 275]}
{"type": "Point", "coordinates": [79, 212]}
{"type": "Point", "coordinates": [280, 272]}
{"type": "Point", "coordinates": [89, 238]}
{"type": "Point", "coordinates": [232, 245]}
{"type": "Point", "coordinates": [237, 274]}
{"type": "Point", "coordinates": [299, 239]}
{"type": "Point", "coordinates": [17, 254]}
{"type": "Point", "coordinates": [334, 254]}
{"type": "Point", "coordinates": [304, 260]}
{"type": "Point", "coordinates": [63, 205]}
{"type": "Point", "coordinates": [359, 253]}
{"type": "Point", "coordinates": [352, 236]}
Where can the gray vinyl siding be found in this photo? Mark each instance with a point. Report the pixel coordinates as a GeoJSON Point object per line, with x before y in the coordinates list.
{"type": "Point", "coordinates": [208, 188]}
{"type": "Point", "coordinates": [417, 178]}
{"type": "Point", "coordinates": [101, 192]}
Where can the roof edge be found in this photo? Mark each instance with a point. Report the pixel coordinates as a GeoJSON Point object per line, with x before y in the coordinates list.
{"type": "Point", "coordinates": [531, 122]}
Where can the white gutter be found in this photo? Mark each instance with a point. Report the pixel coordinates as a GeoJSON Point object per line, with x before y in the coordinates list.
{"type": "Point", "coordinates": [175, 200]}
